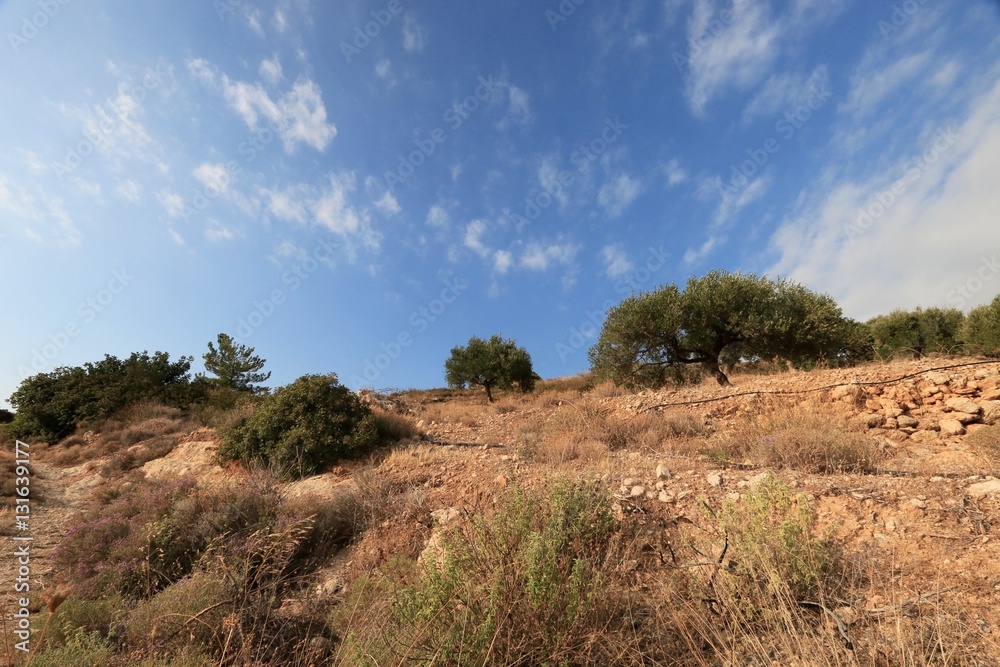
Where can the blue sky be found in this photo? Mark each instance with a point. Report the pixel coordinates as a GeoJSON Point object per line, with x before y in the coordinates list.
{"type": "Point", "coordinates": [357, 187]}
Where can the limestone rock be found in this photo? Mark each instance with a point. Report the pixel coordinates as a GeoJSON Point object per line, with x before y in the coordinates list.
{"type": "Point", "coordinates": [714, 478]}
{"type": "Point", "coordinates": [906, 421]}
{"type": "Point", "coordinates": [952, 427]}
{"type": "Point", "coordinates": [984, 488]}
{"type": "Point", "coordinates": [963, 405]}
{"type": "Point", "coordinates": [937, 377]}
{"type": "Point", "coordinates": [662, 472]}
{"type": "Point", "coordinates": [991, 411]}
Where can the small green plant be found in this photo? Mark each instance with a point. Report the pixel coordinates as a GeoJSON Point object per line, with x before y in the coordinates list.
{"type": "Point", "coordinates": [302, 427]}
{"type": "Point", "coordinates": [533, 583]}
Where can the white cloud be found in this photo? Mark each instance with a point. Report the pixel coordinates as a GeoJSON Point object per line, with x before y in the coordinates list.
{"type": "Point", "coordinates": [785, 92]}
{"type": "Point", "coordinates": [299, 115]}
{"type": "Point", "coordinates": [618, 194]}
{"type": "Point", "coordinates": [213, 177]}
{"type": "Point", "coordinates": [280, 21]}
{"type": "Point", "coordinates": [693, 256]}
{"type": "Point", "coordinates": [253, 20]}
{"type": "Point", "coordinates": [502, 261]}
{"type": "Point", "coordinates": [874, 82]}
{"type": "Point", "coordinates": [438, 217]}
{"type": "Point", "coordinates": [270, 70]}
{"type": "Point", "coordinates": [474, 233]}
{"type": "Point", "coordinates": [333, 209]}
{"type": "Point", "coordinates": [676, 174]}
{"type": "Point", "coordinates": [548, 178]}
{"type": "Point", "coordinates": [44, 214]}
{"type": "Point", "coordinates": [388, 204]}
{"type": "Point", "coordinates": [130, 191]}
{"type": "Point", "coordinates": [616, 261]}
{"type": "Point", "coordinates": [216, 231]}
{"type": "Point", "coordinates": [728, 55]}
{"type": "Point", "coordinates": [288, 205]}
{"type": "Point", "coordinates": [537, 257]}
{"type": "Point", "coordinates": [414, 35]}
{"type": "Point", "coordinates": [329, 205]}
{"type": "Point", "coordinates": [874, 249]}
{"type": "Point", "coordinates": [171, 202]}
{"type": "Point", "coordinates": [518, 109]}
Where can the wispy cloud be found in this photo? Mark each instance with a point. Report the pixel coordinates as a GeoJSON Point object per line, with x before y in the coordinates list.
{"type": "Point", "coordinates": [940, 218]}
{"type": "Point", "coordinates": [299, 116]}
{"type": "Point", "coordinates": [618, 194]}
{"type": "Point", "coordinates": [414, 34]}
{"type": "Point", "coordinates": [616, 261]}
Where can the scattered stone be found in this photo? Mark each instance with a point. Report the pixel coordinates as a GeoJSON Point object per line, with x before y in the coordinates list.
{"type": "Point", "coordinates": [991, 412]}
{"type": "Point", "coordinates": [937, 479]}
{"type": "Point", "coordinates": [629, 482]}
{"type": "Point", "coordinates": [952, 427]}
{"type": "Point", "coordinates": [984, 488]}
{"type": "Point", "coordinates": [918, 503]}
{"type": "Point", "coordinates": [871, 419]}
{"type": "Point", "coordinates": [890, 423]}
{"type": "Point", "coordinates": [758, 479]}
{"type": "Point", "coordinates": [963, 405]}
{"type": "Point", "coordinates": [991, 394]}
{"type": "Point", "coordinates": [445, 515]}
{"type": "Point", "coordinates": [714, 479]}
{"type": "Point", "coordinates": [666, 497]}
{"type": "Point", "coordinates": [906, 421]}
{"type": "Point", "coordinates": [937, 377]}
{"type": "Point", "coordinates": [662, 471]}
{"type": "Point", "coordinates": [637, 490]}
{"type": "Point", "coordinates": [502, 480]}
{"type": "Point", "coordinates": [659, 485]}
{"type": "Point", "coordinates": [734, 496]}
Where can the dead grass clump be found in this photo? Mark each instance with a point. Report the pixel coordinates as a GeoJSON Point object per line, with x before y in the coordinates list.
{"type": "Point", "coordinates": [650, 431]}
{"type": "Point", "coordinates": [555, 398]}
{"type": "Point", "coordinates": [575, 383]}
{"type": "Point", "coordinates": [394, 426]}
{"type": "Point", "coordinates": [560, 449]}
{"type": "Point", "coordinates": [606, 390]}
{"type": "Point", "coordinates": [808, 441]}
{"type": "Point", "coordinates": [986, 442]}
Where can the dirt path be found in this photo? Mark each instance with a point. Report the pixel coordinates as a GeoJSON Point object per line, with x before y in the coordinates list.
{"type": "Point", "coordinates": [57, 494]}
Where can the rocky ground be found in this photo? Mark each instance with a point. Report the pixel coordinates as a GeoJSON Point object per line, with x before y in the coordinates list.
{"type": "Point", "coordinates": [930, 507]}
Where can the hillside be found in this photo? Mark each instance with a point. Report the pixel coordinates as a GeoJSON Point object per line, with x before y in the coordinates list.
{"type": "Point", "coordinates": [897, 473]}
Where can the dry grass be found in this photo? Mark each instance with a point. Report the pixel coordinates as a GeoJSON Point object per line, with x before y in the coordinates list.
{"type": "Point", "coordinates": [395, 426]}
{"type": "Point", "coordinates": [986, 442]}
{"type": "Point", "coordinates": [798, 439]}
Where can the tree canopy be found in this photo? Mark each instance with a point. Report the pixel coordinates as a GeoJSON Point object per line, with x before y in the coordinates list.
{"type": "Point", "coordinates": [981, 329]}
{"type": "Point", "coordinates": [716, 320]}
{"type": "Point", "coordinates": [492, 364]}
{"type": "Point", "coordinates": [915, 333]}
{"type": "Point", "coordinates": [50, 405]}
{"type": "Point", "coordinates": [234, 365]}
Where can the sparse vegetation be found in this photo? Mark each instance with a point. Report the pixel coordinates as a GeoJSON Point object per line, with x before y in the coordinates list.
{"type": "Point", "coordinates": [795, 439]}
{"type": "Point", "coordinates": [981, 330]}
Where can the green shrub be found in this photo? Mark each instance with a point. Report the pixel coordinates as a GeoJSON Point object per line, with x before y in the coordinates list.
{"type": "Point", "coordinates": [100, 618]}
{"type": "Point", "coordinates": [981, 330]}
{"type": "Point", "coordinates": [82, 649]}
{"type": "Point", "coordinates": [50, 405]}
{"type": "Point", "coordinates": [302, 427]}
{"type": "Point", "coordinates": [534, 583]}
{"type": "Point", "coordinates": [177, 615]}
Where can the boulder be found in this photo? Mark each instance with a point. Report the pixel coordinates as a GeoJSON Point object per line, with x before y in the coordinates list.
{"type": "Point", "coordinates": [963, 405]}
{"type": "Point", "coordinates": [991, 411]}
{"type": "Point", "coordinates": [950, 427]}
{"type": "Point", "coordinates": [981, 489]}
{"type": "Point", "coordinates": [906, 421]}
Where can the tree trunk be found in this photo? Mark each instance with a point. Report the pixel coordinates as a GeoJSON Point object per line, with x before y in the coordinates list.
{"type": "Point", "coordinates": [489, 394]}
{"type": "Point", "coordinates": [720, 377]}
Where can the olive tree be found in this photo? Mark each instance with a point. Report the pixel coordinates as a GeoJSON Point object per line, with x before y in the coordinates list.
{"type": "Point", "coordinates": [492, 364]}
{"type": "Point", "coordinates": [981, 329]}
{"type": "Point", "coordinates": [716, 320]}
